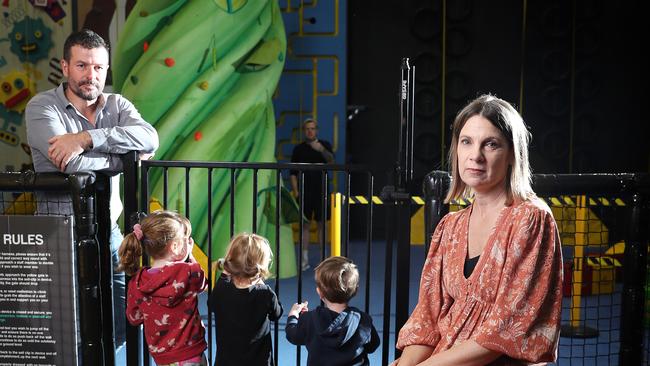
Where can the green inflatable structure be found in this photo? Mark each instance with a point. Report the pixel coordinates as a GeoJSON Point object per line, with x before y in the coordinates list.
{"type": "Point", "coordinates": [203, 73]}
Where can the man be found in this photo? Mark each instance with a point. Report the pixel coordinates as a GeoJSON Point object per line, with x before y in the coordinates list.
{"type": "Point", "coordinates": [78, 128]}
{"type": "Point", "coordinates": [312, 150]}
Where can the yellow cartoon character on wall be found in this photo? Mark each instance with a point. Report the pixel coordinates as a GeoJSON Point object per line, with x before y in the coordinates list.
{"type": "Point", "coordinates": [16, 88]}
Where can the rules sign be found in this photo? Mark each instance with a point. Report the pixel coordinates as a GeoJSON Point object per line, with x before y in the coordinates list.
{"type": "Point", "coordinates": [37, 291]}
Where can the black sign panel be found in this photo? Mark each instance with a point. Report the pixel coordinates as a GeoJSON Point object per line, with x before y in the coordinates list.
{"type": "Point", "coordinates": [37, 291]}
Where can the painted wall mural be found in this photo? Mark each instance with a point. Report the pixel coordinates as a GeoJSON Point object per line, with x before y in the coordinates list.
{"type": "Point", "coordinates": [31, 41]}
{"type": "Point", "coordinates": [313, 82]}
{"type": "Point", "coordinates": [203, 73]}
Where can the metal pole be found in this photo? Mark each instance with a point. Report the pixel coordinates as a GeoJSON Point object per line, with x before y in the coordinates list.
{"type": "Point", "coordinates": [633, 297]}
{"type": "Point", "coordinates": [402, 197]}
{"type": "Point", "coordinates": [85, 226]}
{"type": "Point", "coordinates": [388, 288]}
{"type": "Point", "coordinates": [103, 194]}
{"type": "Point", "coordinates": [130, 169]}
{"type": "Point", "coordinates": [434, 188]}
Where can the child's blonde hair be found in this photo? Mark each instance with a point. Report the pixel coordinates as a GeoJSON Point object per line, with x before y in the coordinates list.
{"type": "Point", "coordinates": [153, 233]}
{"type": "Point", "coordinates": [247, 256]}
{"type": "Point", "coordinates": [337, 278]}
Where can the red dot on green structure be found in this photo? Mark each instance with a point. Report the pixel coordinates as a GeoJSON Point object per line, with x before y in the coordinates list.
{"type": "Point", "coordinates": [169, 62]}
{"type": "Point", "coordinates": [145, 46]}
{"type": "Point", "coordinates": [198, 135]}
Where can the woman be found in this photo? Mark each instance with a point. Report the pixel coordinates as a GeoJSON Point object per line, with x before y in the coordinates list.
{"type": "Point", "coordinates": [491, 287]}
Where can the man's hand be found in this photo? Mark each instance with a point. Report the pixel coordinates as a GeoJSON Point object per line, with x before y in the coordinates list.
{"type": "Point", "coordinates": [64, 148]}
{"type": "Point", "coordinates": [316, 145]}
{"type": "Point", "coordinates": [145, 156]}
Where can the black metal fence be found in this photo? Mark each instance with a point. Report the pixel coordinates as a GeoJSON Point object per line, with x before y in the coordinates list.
{"type": "Point", "coordinates": [603, 221]}
{"type": "Point", "coordinates": [86, 197]}
{"type": "Point", "coordinates": [222, 199]}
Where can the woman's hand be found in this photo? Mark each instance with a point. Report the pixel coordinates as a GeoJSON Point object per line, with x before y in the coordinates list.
{"type": "Point", "coordinates": [412, 355]}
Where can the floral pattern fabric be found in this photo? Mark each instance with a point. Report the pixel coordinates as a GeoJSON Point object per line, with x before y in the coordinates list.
{"type": "Point", "coordinates": [512, 301]}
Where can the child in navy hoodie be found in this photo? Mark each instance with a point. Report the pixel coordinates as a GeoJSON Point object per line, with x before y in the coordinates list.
{"type": "Point", "coordinates": [334, 334]}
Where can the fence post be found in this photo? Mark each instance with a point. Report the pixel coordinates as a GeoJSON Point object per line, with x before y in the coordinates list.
{"type": "Point", "coordinates": [130, 169]}
{"type": "Point", "coordinates": [434, 188]}
{"type": "Point", "coordinates": [104, 227]}
{"type": "Point", "coordinates": [85, 227]}
{"type": "Point", "coordinates": [633, 301]}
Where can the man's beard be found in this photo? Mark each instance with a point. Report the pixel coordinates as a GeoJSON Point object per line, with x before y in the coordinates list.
{"type": "Point", "coordinates": [76, 89]}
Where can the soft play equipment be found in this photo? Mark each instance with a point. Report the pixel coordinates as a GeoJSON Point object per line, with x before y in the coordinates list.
{"type": "Point", "coordinates": [203, 73]}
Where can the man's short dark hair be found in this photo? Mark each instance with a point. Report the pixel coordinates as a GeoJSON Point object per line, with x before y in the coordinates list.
{"type": "Point", "coordinates": [84, 38]}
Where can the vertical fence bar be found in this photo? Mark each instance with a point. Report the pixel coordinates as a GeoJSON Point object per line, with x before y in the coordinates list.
{"type": "Point", "coordinates": [255, 200]}
{"type": "Point", "coordinates": [233, 182]}
{"type": "Point", "coordinates": [388, 288]}
{"type": "Point", "coordinates": [144, 204]}
{"type": "Point", "coordinates": [323, 219]}
{"type": "Point", "coordinates": [346, 221]}
{"type": "Point", "coordinates": [165, 188]}
{"type": "Point", "coordinates": [85, 227]}
{"type": "Point", "coordinates": [103, 198]}
{"type": "Point", "coordinates": [130, 168]}
{"type": "Point", "coordinates": [301, 203]}
{"type": "Point", "coordinates": [402, 261]}
{"type": "Point", "coordinates": [369, 198]}
{"type": "Point", "coordinates": [633, 301]}
{"type": "Point", "coordinates": [187, 193]}
{"type": "Point", "coordinates": [278, 210]}
{"type": "Point", "coordinates": [209, 263]}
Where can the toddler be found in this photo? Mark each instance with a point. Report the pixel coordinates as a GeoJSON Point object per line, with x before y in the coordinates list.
{"type": "Point", "coordinates": [163, 296]}
{"type": "Point", "coordinates": [334, 334]}
{"type": "Point", "coordinates": [243, 305]}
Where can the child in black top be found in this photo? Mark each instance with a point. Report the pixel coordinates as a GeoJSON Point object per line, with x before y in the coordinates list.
{"type": "Point", "coordinates": [243, 305]}
{"type": "Point", "coordinates": [334, 334]}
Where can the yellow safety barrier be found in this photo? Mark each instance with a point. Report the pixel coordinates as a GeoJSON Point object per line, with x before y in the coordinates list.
{"type": "Point", "coordinates": [581, 240]}
{"type": "Point", "coordinates": [335, 224]}
{"type": "Point", "coordinates": [337, 201]}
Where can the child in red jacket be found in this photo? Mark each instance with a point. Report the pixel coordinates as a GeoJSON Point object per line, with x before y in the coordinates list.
{"type": "Point", "coordinates": [163, 296]}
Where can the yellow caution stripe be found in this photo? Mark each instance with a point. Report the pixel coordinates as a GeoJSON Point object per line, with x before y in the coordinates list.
{"type": "Point", "coordinates": [556, 201]}
{"type": "Point", "coordinates": [603, 262]}
{"type": "Point", "coordinates": [573, 201]}
{"type": "Point", "coordinates": [376, 200]}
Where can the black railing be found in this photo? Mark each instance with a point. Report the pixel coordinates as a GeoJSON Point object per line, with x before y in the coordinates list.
{"type": "Point", "coordinates": [227, 174]}
{"type": "Point", "coordinates": [88, 196]}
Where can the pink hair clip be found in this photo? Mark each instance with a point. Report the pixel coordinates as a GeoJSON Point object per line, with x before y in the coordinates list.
{"type": "Point", "coordinates": [137, 230]}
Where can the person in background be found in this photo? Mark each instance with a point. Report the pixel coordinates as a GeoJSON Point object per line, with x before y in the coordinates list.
{"type": "Point", "coordinates": [76, 127]}
{"type": "Point", "coordinates": [336, 333]}
{"type": "Point", "coordinates": [164, 295]}
{"type": "Point", "coordinates": [311, 150]}
{"type": "Point", "coordinates": [491, 287]}
{"type": "Point", "coordinates": [243, 305]}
